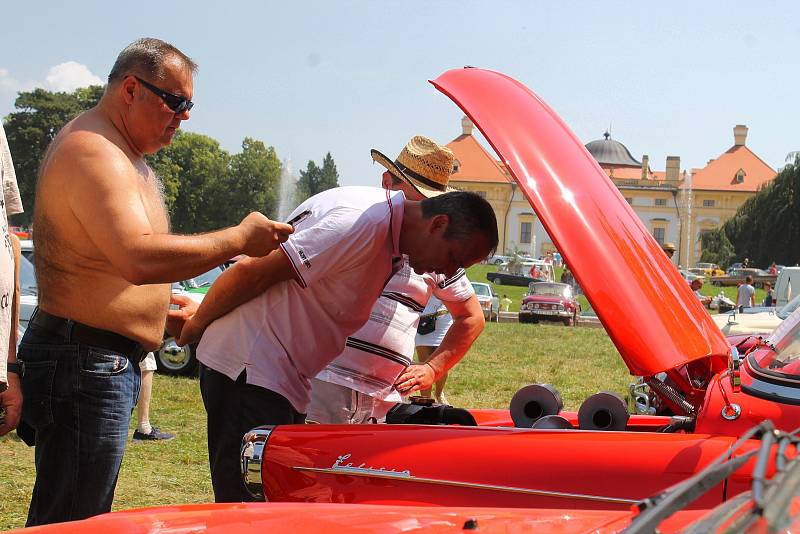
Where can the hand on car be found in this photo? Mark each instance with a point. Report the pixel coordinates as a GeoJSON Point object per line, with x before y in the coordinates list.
{"type": "Point", "coordinates": [415, 378]}
{"type": "Point", "coordinates": [262, 235]}
{"type": "Point", "coordinates": [11, 404]}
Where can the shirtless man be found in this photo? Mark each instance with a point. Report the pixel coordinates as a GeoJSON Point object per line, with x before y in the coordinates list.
{"type": "Point", "coordinates": [104, 261]}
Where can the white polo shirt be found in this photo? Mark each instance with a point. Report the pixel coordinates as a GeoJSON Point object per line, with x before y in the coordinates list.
{"type": "Point", "coordinates": [343, 254]}
{"type": "Point", "coordinates": [379, 351]}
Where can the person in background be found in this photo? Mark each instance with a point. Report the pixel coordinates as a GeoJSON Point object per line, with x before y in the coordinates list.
{"type": "Point", "coordinates": [11, 370]}
{"type": "Point", "coordinates": [669, 249]}
{"type": "Point", "coordinates": [696, 285]}
{"type": "Point", "coordinates": [769, 298]}
{"type": "Point", "coordinates": [357, 387]}
{"type": "Point", "coordinates": [144, 430]}
{"type": "Point", "coordinates": [773, 269]}
{"type": "Point", "coordinates": [505, 303]}
{"type": "Point", "coordinates": [745, 295]}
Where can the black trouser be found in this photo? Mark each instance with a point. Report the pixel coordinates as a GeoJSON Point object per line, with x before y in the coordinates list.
{"type": "Point", "coordinates": [233, 409]}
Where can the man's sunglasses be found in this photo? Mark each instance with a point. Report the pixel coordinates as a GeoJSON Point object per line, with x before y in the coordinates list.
{"type": "Point", "coordinates": [176, 103]}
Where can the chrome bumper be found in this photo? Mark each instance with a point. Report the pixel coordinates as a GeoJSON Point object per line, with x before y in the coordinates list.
{"type": "Point", "coordinates": [251, 455]}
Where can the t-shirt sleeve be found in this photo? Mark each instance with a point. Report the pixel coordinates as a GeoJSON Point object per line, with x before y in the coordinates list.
{"type": "Point", "coordinates": [457, 288]}
{"type": "Point", "coordinates": [338, 241]}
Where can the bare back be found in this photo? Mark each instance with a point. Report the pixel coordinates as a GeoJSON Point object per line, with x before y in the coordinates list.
{"type": "Point", "coordinates": [91, 182]}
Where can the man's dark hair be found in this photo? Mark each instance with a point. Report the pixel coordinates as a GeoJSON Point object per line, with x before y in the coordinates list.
{"type": "Point", "coordinates": [145, 58]}
{"type": "Point", "coordinates": [748, 279]}
{"type": "Point", "coordinates": [469, 214]}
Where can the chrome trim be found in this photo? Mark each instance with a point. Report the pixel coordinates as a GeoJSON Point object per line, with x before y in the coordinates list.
{"type": "Point", "coordinates": [251, 455]}
{"type": "Point", "coordinates": [509, 489]}
{"type": "Point", "coordinates": [731, 412]}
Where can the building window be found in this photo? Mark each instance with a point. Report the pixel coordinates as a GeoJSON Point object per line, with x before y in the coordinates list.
{"type": "Point", "coordinates": [708, 203]}
{"type": "Point", "coordinates": [658, 233]}
{"type": "Point", "coordinates": [456, 166]}
{"type": "Point", "coordinates": [481, 194]}
{"type": "Point", "coordinates": [525, 232]}
{"type": "Point", "coordinates": [661, 202]}
{"type": "Point", "coordinates": [739, 177]}
{"type": "Point", "coordinates": [629, 200]}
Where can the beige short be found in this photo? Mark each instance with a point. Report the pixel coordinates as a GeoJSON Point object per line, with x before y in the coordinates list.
{"type": "Point", "coordinates": [149, 362]}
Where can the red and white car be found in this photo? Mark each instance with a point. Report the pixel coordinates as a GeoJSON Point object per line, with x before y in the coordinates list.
{"type": "Point", "coordinates": [549, 301]}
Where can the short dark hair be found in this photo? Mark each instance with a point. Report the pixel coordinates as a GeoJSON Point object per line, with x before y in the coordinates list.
{"type": "Point", "coordinates": [469, 214]}
{"type": "Point", "coordinates": [748, 279]}
{"type": "Point", "coordinates": [145, 58]}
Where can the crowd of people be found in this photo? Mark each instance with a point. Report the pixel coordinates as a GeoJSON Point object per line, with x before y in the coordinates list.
{"type": "Point", "coordinates": [320, 315]}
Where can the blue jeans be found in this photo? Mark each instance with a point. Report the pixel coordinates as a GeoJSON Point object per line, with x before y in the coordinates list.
{"type": "Point", "coordinates": [78, 400]}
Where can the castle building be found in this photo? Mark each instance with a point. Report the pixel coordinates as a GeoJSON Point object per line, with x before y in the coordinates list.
{"type": "Point", "coordinates": [676, 206]}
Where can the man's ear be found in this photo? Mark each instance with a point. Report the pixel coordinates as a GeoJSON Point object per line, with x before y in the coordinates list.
{"type": "Point", "coordinates": [439, 223]}
{"type": "Point", "coordinates": [127, 88]}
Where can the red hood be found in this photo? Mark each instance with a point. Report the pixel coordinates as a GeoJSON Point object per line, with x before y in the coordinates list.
{"type": "Point", "coordinates": [648, 310]}
{"type": "Point", "coordinates": [295, 518]}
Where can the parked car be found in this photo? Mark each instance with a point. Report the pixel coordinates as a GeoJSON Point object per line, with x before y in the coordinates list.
{"type": "Point", "coordinates": [549, 301]}
{"type": "Point", "coordinates": [498, 259]}
{"type": "Point", "coordinates": [697, 394]}
{"type": "Point", "coordinates": [28, 295]}
{"type": "Point", "coordinates": [689, 276]}
{"type": "Point", "coordinates": [787, 285]}
{"type": "Point", "coordinates": [518, 273]}
{"type": "Point", "coordinates": [710, 269]}
{"type": "Point", "coordinates": [490, 303]}
{"type": "Point", "coordinates": [756, 320]}
{"type": "Point", "coordinates": [26, 248]}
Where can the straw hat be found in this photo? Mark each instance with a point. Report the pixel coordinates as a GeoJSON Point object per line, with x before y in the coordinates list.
{"type": "Point", "coordinates": [668, 246]}
{"type": "Point", "coordinates": [423, 163]}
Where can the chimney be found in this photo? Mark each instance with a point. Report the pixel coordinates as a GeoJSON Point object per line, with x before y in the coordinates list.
{"type": "Point", "coordinates": [739, 135]}
{"type": "Point", "coordinates": [673, 168]}
{"type": "Point", "coordinates": [645, 166]}
{"type": "Point", "coordinates": [466, 126]}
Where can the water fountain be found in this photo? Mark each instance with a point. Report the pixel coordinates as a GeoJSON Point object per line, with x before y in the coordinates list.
{"type": "Point", "coordinates": [287, 201]}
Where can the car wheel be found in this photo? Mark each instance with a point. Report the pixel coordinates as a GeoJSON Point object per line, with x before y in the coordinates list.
{"type": "Point", "coordinates": [498, 261]}
{"type": "Point", "coordinates": [495, 280]}
{"type": "Point", "coordinates": [173, 359]}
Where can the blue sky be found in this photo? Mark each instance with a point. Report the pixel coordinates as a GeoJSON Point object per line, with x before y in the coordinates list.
{"type": "Point", "coordinates": [671, 78]}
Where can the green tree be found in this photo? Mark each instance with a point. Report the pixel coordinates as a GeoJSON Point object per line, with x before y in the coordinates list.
{"type": "Point", "coordinates": [38, 117]}
{"type": "Point", "coordinates": [191, 167]}
{"type": "Point", "coordinates": [717, 248]}
{"type": "Point", "coordinates": [317, 179]}
{"type": "Point", "coordinates": [253, 184]}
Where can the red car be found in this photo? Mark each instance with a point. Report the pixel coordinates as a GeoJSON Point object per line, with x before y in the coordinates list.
{"type": "Point", "coordinates": [542, 468]}
{"type": "Point", "coordinates": [549, 301]}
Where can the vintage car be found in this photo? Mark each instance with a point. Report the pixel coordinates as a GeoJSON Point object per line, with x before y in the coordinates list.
{"type": "Point", "coordinates": [710, 269]}
{"type": "Point", "coordinates": [549, 301]}
{"type": "Point", "coordinates": [520, 272]}
{"type": "Point", "coordinates": [697, 392]}
{"type": "Point", "coordinates": [755, 320]}
{"type": "Point", "coordinates": [769, 504]}
{"type": "Point", "coordinates": [489, 301]}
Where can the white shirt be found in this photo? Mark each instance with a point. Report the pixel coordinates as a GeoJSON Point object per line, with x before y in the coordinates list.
{"type": "Point", "coordinates": [342, 253]}
{"type": "Point", "coordinates": [11, 205]}
{"type": "Point", "coordinates": [379, 352]}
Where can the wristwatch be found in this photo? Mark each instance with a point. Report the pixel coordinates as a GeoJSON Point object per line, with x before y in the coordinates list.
{"type": "Point", "coordinates": [17, 367]}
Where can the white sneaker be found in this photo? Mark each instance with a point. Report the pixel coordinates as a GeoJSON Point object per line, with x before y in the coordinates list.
{"type": "Point", "coordinates": [441, 399]}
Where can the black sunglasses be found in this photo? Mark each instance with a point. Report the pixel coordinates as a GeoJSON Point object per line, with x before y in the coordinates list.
{"type": "Point", "coordinates": [176, 103]}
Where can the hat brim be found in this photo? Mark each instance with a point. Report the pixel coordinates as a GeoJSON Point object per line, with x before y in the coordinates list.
{"type": "Point", "coordinates": [418, 186]}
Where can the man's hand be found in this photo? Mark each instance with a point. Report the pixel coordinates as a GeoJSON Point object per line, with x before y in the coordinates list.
{"type": "Point", "coordinates": [177, 318]}
{"type": "Point", "coordinates": [191, 332]}
{"type": "Point", "coordinates": [262, 235]}
{"type": "Point", "coordinates": [11, 403]}
{"type": "Point", "coordinates": [415, 378]}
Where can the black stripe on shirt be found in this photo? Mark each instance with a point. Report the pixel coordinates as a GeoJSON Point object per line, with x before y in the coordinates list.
{"type": "Point", "coordinates": [404, 300]}
{"type": "Point", "coordinates": [377, 350]}
{"type": "Point", "coordinates": [459, 274]}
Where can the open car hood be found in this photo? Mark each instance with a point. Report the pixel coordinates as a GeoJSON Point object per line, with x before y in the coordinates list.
{"type": "Point", "coordinates": [648, 310]}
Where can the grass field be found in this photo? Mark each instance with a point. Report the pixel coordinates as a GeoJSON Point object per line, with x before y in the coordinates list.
{"type": "Point", "coordinates": [579, 361]}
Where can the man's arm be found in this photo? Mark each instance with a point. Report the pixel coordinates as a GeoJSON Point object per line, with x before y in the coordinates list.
{"type": "Point", "coordinates": [247, 279]}
{"type": "Point", "coordinates": [105, 197]}
{"type": "Point", "coordinates": [11, 399]}
{"type": "Point", "coordinates": [467, 325]}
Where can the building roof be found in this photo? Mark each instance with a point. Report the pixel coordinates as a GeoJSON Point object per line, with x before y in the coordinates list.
{"type": "Point", "coordinates": [474, 163]}
{"type": "Point", "coordinates": [609, 152]}
{"type": "Point", "coordinates": [721, 174]}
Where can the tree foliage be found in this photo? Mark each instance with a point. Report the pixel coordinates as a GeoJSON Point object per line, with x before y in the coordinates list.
{"type": "Point", "coordinates": [40, 115]}
{"type": "Point", "coordinates": [316, 179]}
{"type": "Point", "coordinates": [766, 227]}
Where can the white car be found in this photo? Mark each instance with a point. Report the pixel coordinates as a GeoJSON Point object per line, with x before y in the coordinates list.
{"type": "Point", "coordinates": [756, 320]}
{"type": "Point", "coordinates": [498, 259]}
{"type": "Point", "coordinates": [490, 303]}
